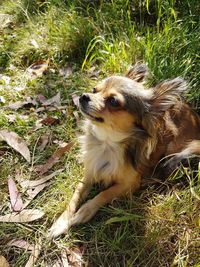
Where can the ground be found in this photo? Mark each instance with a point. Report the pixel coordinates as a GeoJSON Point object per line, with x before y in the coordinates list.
{"type": "Point", "coordinates": [72, 45]}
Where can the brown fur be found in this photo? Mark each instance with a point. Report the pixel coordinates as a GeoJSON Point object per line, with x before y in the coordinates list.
{"type": "Point", "coordinates": [128, 131]}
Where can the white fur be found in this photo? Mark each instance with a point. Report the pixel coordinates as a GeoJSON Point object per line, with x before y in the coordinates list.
{"type": "Point", "coordinates": [102, 152]}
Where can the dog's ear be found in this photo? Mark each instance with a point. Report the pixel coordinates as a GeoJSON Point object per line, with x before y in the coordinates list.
{"type": "Point", "coordinates": [168, 93]}
{"type": "Point", "coordinates": [138, 72]}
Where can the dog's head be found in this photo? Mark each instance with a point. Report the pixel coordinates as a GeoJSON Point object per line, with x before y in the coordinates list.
{"type": "Point", "coordinates": [121, 102]}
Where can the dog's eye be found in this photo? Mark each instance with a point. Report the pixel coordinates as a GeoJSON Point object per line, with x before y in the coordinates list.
{"type": "Point", "coordinates": [113, 102]}
{"type": "Point", "coordinates": [94, 90]}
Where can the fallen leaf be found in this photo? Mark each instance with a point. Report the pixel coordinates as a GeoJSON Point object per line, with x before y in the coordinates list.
{"type": "Point", "coordinates": [41, 109]}
{"type": "Point", "coordinates": [3, 262]}
{"type": "Point", "coordinates": [15, 197]}
{"type": "Point", "coordinates": [53, 101]}
{"type": "Point", "coordinates": [34, 183]}
{"type": "Point", "coordinates": [34, 43]}
{"type": "Point", "coordinates": [5, 79]}
{"type": "Point", "coordinates": [66, 72]}
{"type": "Point", "coordinates": [41, 98]}
{"type": "Point", "coordinates": [34, 187]}
{"type": "Point", "coordinates": [2, 99]}
{"type": "Point", "coordinates": [49, 120]}
{"type": "Point", "coordinates": [38, 68]}
{"type": "Point", "coordinates": [64, 259]}
{"type": "Point", "coordinates": [93, 72]}
{"type": "Point", "coordinates": [41, 169]}
{"type": "Point", "coordinates": [60, 143]}
{"type": "Point", "coordinates": [57, 263]}
{"type": "Point", "coordinates": [13, 117]}
{"type": "Point", "coordinates": [16, 142]}
{"type": "Point", "coordinates": [19, 243]}
{"type": "Point", "coordinates": [29, 102]}
{"type": "Point", "coordinates": [34, 255]}
{"type": "Point", "coordinates": [44, 139]}
{"type": "Point", "coordinates": [33, 192]}
{"type": "Point", "coordinates": [75, 99]}
{"type": "Point", "coordinates": [75, 256]}
{"type": "Point", "coordinates": [26, 215]}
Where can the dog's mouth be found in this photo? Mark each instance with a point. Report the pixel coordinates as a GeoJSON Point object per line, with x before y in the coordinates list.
{"type": "Point", "coordinates": [91, 117]}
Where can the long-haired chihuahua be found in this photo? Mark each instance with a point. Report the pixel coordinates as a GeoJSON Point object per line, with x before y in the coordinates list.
{"type": "Point", "coordinates": [128, 131]}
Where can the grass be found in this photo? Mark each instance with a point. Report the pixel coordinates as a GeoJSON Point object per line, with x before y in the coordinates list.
{"type": "Point", "coordinates": [158, 226]}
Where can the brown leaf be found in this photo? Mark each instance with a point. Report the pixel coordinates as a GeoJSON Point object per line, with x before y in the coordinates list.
{"type": "Point", "coordinates": [75, 99]}
{"type": "Point", "coordinates": [75, 256]}
{"type": "Point", "coordinates": [64, 259]}
{"type": "Point", "coordinates": [19, 243]}
{"type": "Point", "coordinates": [13, 117]}
{"type": "Point", "coordinates": [60, 143]}
{"type": "Point", "coordinates": [33, 192]}
{"type": "Point", "coordinates": [34, 183]}
{"type": "Point", "coordinates": [34, 255]}
{"type": "Point", "coordinates": [53, 101]}
{"type": "Point", "coordinates": [41, 98]}
{"type": "Point", "coordinates": [49, 120]}
{"type": "Point", "coordinates": [29, 102]}
{"type": "Point", "coordinates": [15, 197]}
{"type": "Point", "coordinates": [66, 72]}
{"type": "Point", "coordinates": [44, 139]}
{"type": "Point", "coordinates": [38, 68]}
{"type": "Point", "coordinates": [41, 169]}
{"type": "Point", "coordinates": [16, 142]}
{"type": "Point", "coordinates": [3, 262]}
{"type": "Point", "coordinates": [26, 215]}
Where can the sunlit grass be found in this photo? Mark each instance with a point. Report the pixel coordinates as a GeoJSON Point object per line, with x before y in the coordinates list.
{"type": "Point", "coordinates": [158, 226]}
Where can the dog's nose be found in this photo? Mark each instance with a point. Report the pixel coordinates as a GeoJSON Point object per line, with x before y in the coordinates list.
{"type": "Point", "coordinates": [85, 98]}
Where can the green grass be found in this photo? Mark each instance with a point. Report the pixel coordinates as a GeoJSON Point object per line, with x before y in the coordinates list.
{"type": "Point", "coordinates": [158, 226]}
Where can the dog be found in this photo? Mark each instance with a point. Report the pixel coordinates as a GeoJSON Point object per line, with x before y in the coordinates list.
{"type": "Point", "coordinates": [128, 131]}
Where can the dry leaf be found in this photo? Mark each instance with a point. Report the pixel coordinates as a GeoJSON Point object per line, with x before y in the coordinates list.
{"type": "Point", "coordinates": [15, 197]}
{"type": "Point", "coordinates": [29, 102]}
{"type": "Point", "coordinates": [66, 72]}
{"type": "Point", "coordinates": [16, 142]}
{"type": "Point", "coordinates": [65, 262]}
{"type": "Point", "coordinates": [49, 120]}
{"type": "Point", "coordinates": [75, 99]}
{"type": "Point", "coordinates": [41, 98]}
{"type": "Point", "coordinates": [53, 101]}
{"type": "Point", "coordinates": [34, 43]}
{"type": "Point", "coordinates": [19, 243]}
{"type": "Point", "coordinates": [2, 99]}
{"type": "Point", "coordinates": [34, 255]}
{"type": "Point", "coordinates": [41, 169]}
{"type": "Point", "coordinates": [44, 139]}
{"type": "Point", "coordinates": [75, 256]}
{"type": "Point", "coordinates": [13, 117]}
{"type": "Point", "coordinates": [41, 109]}
{"type": "Point", "coordinates": [34, 187]}
{"type": "Point", "coordinates": [34, 183]}
{"type": "Point", "coordinates": [34, 192]}
{"type": "Point", "coordinates": [60, 143]}
{"type": "Point", "coordinates": [38, 68]}
{"type": "Point", "coordinates": [3, 262]}
{"type": "Point", "coordinates": [27, 215]}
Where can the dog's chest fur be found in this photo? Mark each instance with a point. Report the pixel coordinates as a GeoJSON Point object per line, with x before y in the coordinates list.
{"type": "Point", "coordinates": [103, 153]}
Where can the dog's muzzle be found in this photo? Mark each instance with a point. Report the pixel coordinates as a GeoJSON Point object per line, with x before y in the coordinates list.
{"type": "Point", "coordinates": [84, 106]}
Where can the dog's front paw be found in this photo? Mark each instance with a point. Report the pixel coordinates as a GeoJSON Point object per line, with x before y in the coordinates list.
{"type": "Point", "coordinates": [85, 213]}
{"type": "Point", "coordinates": [60, 226]}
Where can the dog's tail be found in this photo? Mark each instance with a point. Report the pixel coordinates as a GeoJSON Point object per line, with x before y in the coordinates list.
{"type": "Point", "coordinates": [191, 150]}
